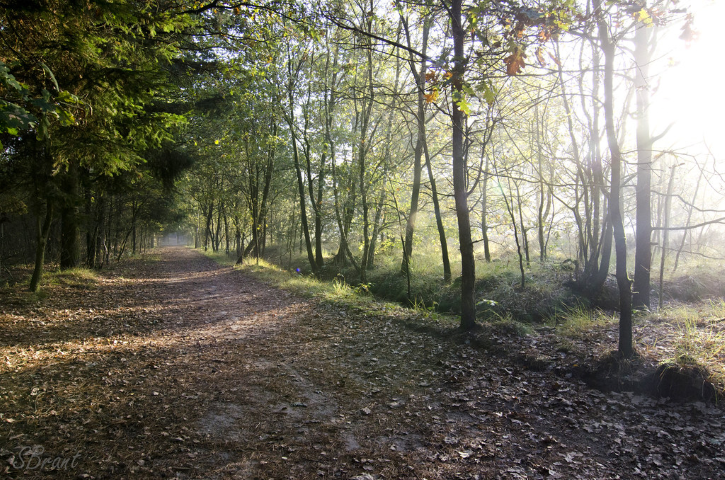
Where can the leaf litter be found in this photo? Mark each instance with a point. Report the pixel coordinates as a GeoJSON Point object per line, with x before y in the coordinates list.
{"type": "Point", "coordinates": [171, 366]}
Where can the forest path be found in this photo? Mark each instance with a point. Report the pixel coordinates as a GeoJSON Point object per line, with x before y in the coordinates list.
{"type": "Point", "coordinates": [174, 366]}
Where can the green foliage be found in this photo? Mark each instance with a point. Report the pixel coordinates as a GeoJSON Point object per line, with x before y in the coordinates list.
{"type": "Point", "coordinates": [692, 334]}
{"type": "Point", "coordinates": [17, 105]}
{"type": "Point", "coordinates": [579, 319]}
{"type": "Point", "coordinates": [80, 278]}
{"type": "Point", "coordinates": [105, 68]}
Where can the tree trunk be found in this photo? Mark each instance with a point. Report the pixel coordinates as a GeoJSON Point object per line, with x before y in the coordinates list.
{"type": "Point", "coordinates": [596, 283]}
{"type": "Point", "coordinates": [512, 216]}
{"type": "Point", "coordinates": [544, 195]}
{"type": "Point", "coordinates": [43, 233]}
{"type": "Point", "coordinates": [468, 264]}
{"type": "Point", "coordinates": [133, 226]}
{"type": "Point", "coordinates": [107, 237]}
{"type": "Point", "coordinates": [315, 196]}
{"type": "Point", "coordinates": [484, 213]}
{"type": "Point", "coordinates": [666, 233]}
{"type": "Point", "coordinates": [227, 237]}
{"type": "Point", "coordinates": [117, 229]}
{"type": "Point", "coordinates": [207, 229]}
{"type": "Point", "coordinates": [418, 153]}
{"type": "Point", "coordinates": [643, 191]}
{"type": "Point", "coordinates": [302, 204]}
{"type": "Point", "coordinates": [687, 222]}
{"type": "Point", "coordinates": [626, 348]}
{"type": "Point", "coordinates": [91, 230]}
{"type": "Point", "coordinates": [238, 241]}
{"type": "Point", "coordinates": [363, 148]}
{"type": "Point", "coordinates": [524, 237]}
{"type": "Point", "coordinates": [70, 223]}
{"type": "Point", "coordinates": [216, 241]}
{"type": "Point", "coordinates": [100, 232]}
{"type": "Point", "coordinates": [447, 276]}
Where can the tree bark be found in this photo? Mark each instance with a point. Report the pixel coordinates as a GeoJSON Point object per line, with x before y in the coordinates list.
{"type": "Point", "coordinates": [418, 152]}
{"type": "Point", "coordinates": [468, 264]}
{"type": "Point", "coordinates": [544, 195]}
{"type": "Point", "coordinates": [666, 233]}
{"type": "Point", "coordinates": [447, 276]}
{"type": "Point", "coordinates": [70, 223]}
{"type": "Point", "coordinates": [643, 191]}
{"type": "Point", "coordinates": [626, 349]}
{"type": "Point", "coordinates": [484, 213]}
{"type": "Point", "coordinates": [43, 233]}
{"type": "Point", "coordinates": [363, 149]}
{"type": "Point", "coordinates": [524, 237]}
{"type": "Point", "coordinates": [687, 222]}
{"type": "Point", "coordinates": [134, 215]}
{"type": "Point", "coordinates": [301, 197]}
{"type": "Point", "coordinates": [292, 123]}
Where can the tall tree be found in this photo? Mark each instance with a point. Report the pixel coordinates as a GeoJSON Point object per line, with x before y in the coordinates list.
{"type": "Point", "coordinates": [294, 67]}
{"type": "Point", "coordinates": [626, 348]}
{"type": "Point", "coordinates": [460, 190]}
{"type": "Point", "coordinates": [419, 76]}
{"type": "Point", "coordinates": [643, 242]}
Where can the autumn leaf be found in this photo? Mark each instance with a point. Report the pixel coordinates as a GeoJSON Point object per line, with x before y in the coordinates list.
{"type": "Point", "coordinates": [431, 77]}
{"type": "Point", "coordinates": [544, 35]}
{"type": "Point", "coordinates": [432, 96]}
{"type": "Point", "coordinates": [515, 62]}
{"type": "Point", "coordinates": [464, 106]}
{"type": "Point", "coordinates": [643, 17]}
{"type": "Point", "coordinates": [540, 56]}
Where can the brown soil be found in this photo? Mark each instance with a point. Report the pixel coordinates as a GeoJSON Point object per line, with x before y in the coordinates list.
{"type": "Point", "coordinates": [175, 367]}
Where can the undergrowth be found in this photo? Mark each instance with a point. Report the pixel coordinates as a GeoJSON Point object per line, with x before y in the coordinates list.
{"type": "Point", "coordinates": [75, 277]}
{"type": "Point", "coordinates": [698, 337]}
{"type": "Point", "coordinates": [498, 291]}
{"type": "Point", "coordinates": [432, 301]}
{"type": "Point", "coordinates": [689, 333]}
{"type": "Point", "coordinates": [579, 319]}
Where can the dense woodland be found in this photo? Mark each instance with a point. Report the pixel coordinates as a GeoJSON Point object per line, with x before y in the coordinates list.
{"type": "Point", "coordinates": [357, 133]}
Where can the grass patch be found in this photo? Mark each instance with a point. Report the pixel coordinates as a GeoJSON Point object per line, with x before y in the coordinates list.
{"type": "Point", "coordinates": [17, 293]}
{"type": "Point", "coordinates": [75, 277]}
{"type": "Point", "coordinates": [337, 291]}
{"type": "Point", "coordinates": [700, 339]}
{"type": "Point", "coordinates": [498, 292]}
{"type": "Point", "coordinates": [219, 257]}
{"type": "Point", "coordinates": [573, 322]}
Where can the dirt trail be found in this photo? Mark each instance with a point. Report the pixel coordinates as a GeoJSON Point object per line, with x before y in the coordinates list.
{"type": "Point", "coordinates": [177, 367]}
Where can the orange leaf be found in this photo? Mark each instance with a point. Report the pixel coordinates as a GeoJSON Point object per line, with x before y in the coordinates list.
{"type": "Point", "coordinates": [432, 96]}
{"type": "Point", "coordinates": [556, 60]}
{"type": "Point", "coordinates": [515, 62]}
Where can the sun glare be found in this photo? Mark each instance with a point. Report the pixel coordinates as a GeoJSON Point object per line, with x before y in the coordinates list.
{"type": "Point", "coordinates": [690, 93]}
